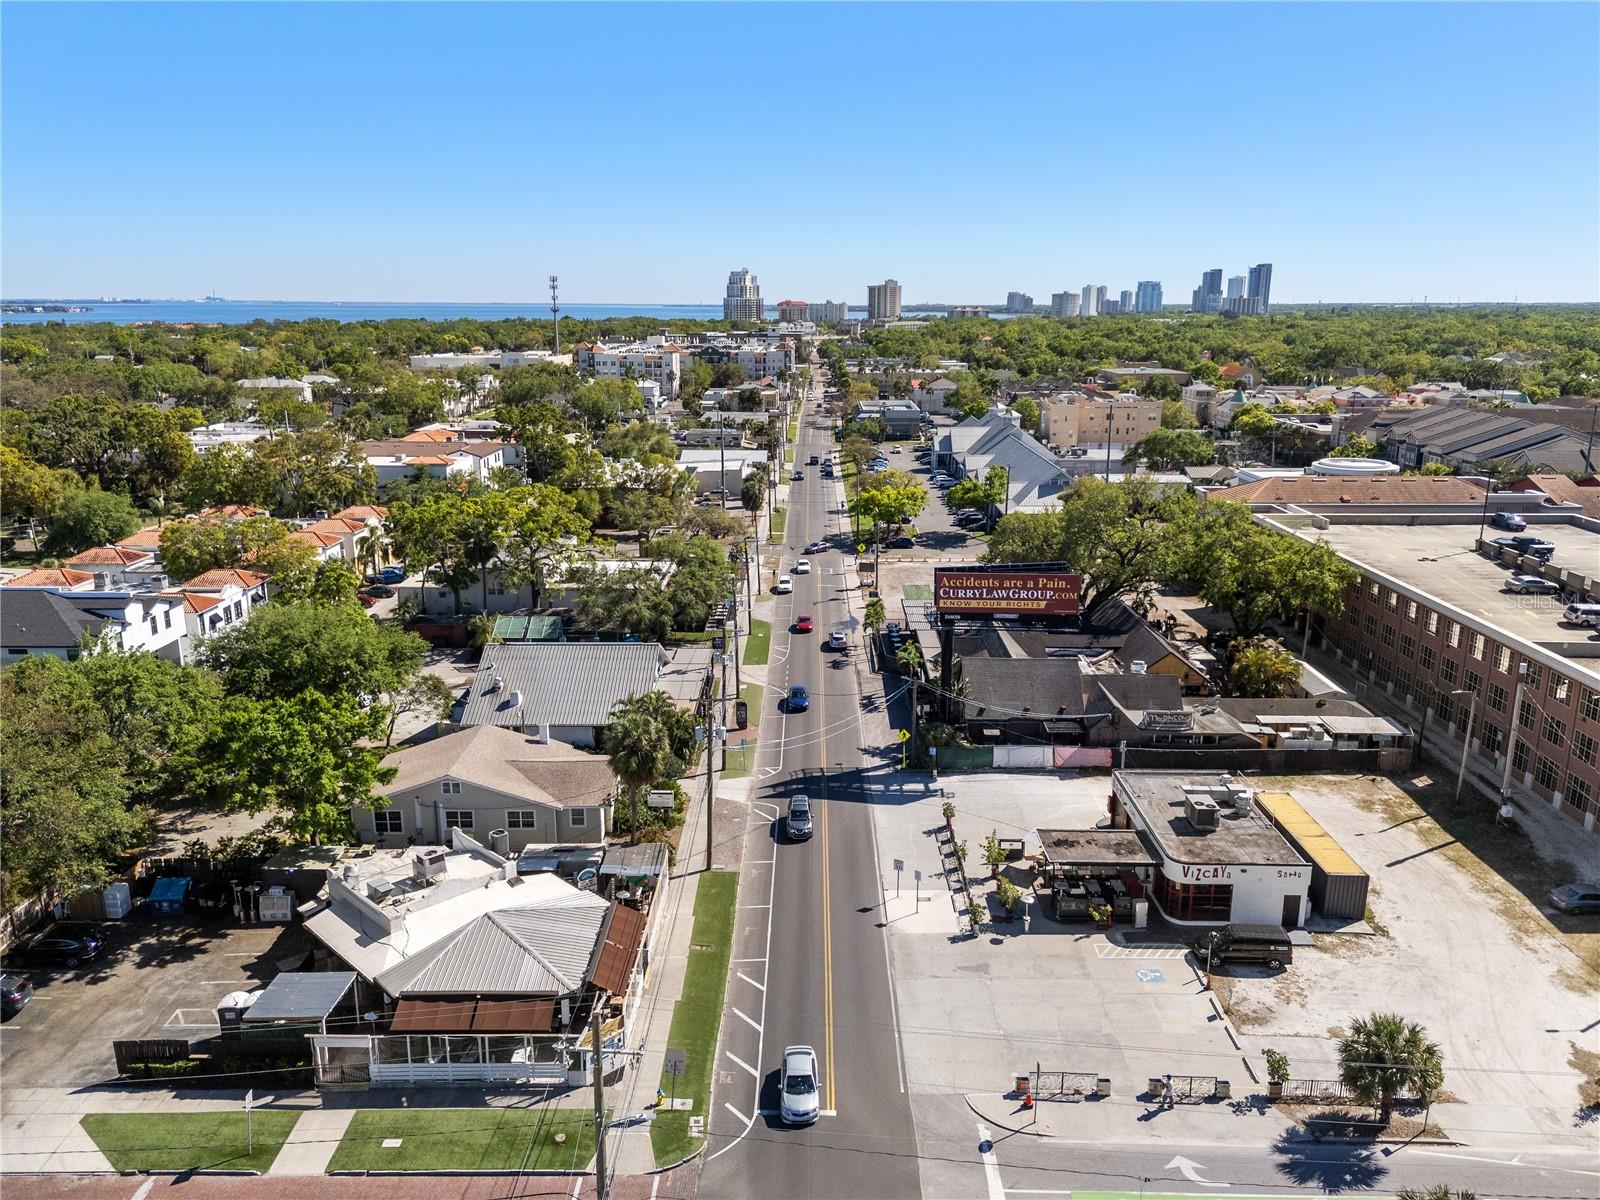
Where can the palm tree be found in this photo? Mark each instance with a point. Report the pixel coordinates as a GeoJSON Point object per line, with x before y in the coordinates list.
{"type": "Point", "coordinates": [1384, 1055]}
{"type": "Point", "coordinates": [908, 658]}
{"type": "Point", "coordinates": [1439, 1191]}
{"type": "Point", "coordinates": [641, 755]}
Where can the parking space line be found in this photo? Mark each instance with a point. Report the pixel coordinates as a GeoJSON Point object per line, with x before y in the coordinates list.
{"type": "Point", "coordinates": [748, 1121]}
{"type": "Point", "coordinates": [750, 1021]}
{"type": "Point", "coordinates": [747, 979]}
{"type": "Point", "coordinates": [753, 1072]}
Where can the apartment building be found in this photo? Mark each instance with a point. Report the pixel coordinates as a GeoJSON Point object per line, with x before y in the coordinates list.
{"type": "Point", "coordinates": [829, 312]}
{"type": "Point", "coordinates": [1064, 304]}
{"type": "Point", "coordinates": [793, 312]}
{"type": "Point", "coordinates": [883, 300]}
{"type": "Point", "coordinates": [656, 358]}
{"type": "Point", "coordinates": [742, 300]}
{"type": "Point", "coordinates": [1147, 296]}
{"type": "Point", "coordinates": [1076, 419]}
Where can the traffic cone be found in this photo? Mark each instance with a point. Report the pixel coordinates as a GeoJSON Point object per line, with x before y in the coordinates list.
{"type": "Point", "coordinates": [1027, 1100]}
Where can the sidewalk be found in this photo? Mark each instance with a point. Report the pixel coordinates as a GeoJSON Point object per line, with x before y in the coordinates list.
{"type": "Point", "coordinates": [1242, 1121]}
{"type": "Point", "coordinates": [310, 1146]}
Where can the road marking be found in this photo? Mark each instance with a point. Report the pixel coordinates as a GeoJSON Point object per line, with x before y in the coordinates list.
{"type": "Point", "coordinates": [742, 1063]}
{"type": "Point", "coordinates": [750, 1021]}
{"type": "Point", "coordinates": [1191, 1171]}
{"type": "Point", "coordinates": [747, 978]}
{"type": "Point", "coordinates": [1507, 1162]}
{"type": "Point", "coordinates": [755, 906]}
{"type": "Point", "coordinates": [991, 1164]}
{"type": "Point", "coordinates": [1102, 950]}
{"type": "Point", "coordinates": [749, 960]}
{"type": "Point", "coordinates": [655, 1184]}
{"type": "Point", "coordinates": [827, 937]}
{"type": "Point", "coordinates": [577, 1185]}
{"type": "Point", "coordinates": [144, 1189]}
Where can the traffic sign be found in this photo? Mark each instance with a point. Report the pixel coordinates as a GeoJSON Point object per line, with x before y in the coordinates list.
{"type": "Point", "coordinates": [899, 865]}
{"type": "Point", "coordinates": [905, 735]}
{"type": "Point", "coordinates": [676, 1062]}
{"type": "Point", "coordinates": [861, 547]}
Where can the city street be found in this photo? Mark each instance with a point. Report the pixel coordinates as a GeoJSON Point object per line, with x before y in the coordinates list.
{"type": "Point", "coordinates": [810, 959]}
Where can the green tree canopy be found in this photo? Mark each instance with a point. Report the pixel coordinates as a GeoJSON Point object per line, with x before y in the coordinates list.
{"type": "Point", "coordinates": [1163, 449]}
{"type": "Point", "coordinates": [290, 647]}
{"type": "Point", "coordinates": [1259, 667]}
{"type": "Point", "coordinates": [1384, 1056]}
{"type": "Point", "coordinates": [90, 518]}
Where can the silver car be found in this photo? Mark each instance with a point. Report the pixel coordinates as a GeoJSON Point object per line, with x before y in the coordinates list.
{"type": "Point", "coordinates": [800, 1104]}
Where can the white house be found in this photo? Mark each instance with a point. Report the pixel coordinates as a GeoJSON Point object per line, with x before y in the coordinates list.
{"type": "Point", "coordinates": [933, 397]}
{"type": "Point", "coordinates": [37, 620]}
{"type": "Point", "coordinates": [398, 458]}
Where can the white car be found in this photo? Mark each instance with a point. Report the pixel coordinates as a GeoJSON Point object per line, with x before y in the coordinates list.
{"type": "Point", "coordinates": [799, 1103]}
{"type": "Point", "coordinates": [802, 566]}
{"type": "Point", "coordinates": [784, 586]}
{"type": "Point", "coordinates": [837, 640]}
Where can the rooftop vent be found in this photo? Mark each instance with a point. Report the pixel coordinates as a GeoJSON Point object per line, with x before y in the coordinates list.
{"type": "Point", "coordinates": [379, 890]}
{"type": "Point", "coordinates": [1202, 813]}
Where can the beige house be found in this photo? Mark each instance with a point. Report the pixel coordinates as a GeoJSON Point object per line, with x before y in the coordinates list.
{"type": "Point", "coordinates": [497, 785]}
{"type": "Point", "coordinates": [1077, 419]}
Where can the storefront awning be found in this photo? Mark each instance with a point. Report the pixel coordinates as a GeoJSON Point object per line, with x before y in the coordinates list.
{"type": "Point", "coordinates": [621, 947]}
{"type": "Point", "coordinates": [473, 1016]}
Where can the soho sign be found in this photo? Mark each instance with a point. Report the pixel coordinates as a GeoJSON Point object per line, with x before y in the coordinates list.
{"type": "Point", "coordinates": [1202, 874]}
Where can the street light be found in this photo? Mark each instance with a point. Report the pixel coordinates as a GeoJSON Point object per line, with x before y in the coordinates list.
{"type": "Point", "coordinates": [1472, 711]}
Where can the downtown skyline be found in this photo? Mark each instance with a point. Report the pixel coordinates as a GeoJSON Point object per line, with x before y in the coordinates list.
{"type": "Point", "coordinates": [269, 185]}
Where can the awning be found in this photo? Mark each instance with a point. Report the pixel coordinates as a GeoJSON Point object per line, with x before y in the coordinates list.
{"type": "Point", "coordinates": [300, 996]}
{"type": "Point", "coordinates": [473, 1016]}
{"type": "Point", "coordinates": [1354, 726]}
{"type": "Point", "coordinates": [647, 858]}
{"type": "Point", "coordinates": [621, 947]}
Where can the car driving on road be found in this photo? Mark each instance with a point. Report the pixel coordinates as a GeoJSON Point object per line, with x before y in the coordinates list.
{"type": "Point", "coordinates": [799, 698]}
{"type": "Point", "coordinates": [838, 640]}
{"type": "Point", "coordinates": [798, 1085]}
{"type": "Point", "coordinates": [802, 566]}
{"type": "Point", "coordinates": [784, 586]}
{"type": "Point", "coordinates": [797, 824]}
{"type": "Point", "coordinates": [802, 623]}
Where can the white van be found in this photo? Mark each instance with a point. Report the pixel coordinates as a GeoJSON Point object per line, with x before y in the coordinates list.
{"type": "Point", "coordinates": [1582, 614]}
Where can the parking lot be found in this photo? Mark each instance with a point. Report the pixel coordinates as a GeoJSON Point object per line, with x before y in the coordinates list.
{"type": "Point", "coordinates": [1455, 947]}
{"type": "Point", "coordinates": [155, 979]}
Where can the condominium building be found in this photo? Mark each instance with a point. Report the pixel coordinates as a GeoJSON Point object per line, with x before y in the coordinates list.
{"type": "Point", "coordinates": [654, 358]}
{"type": "Point", "coordinates": [968, 310]}
{"type": "Point", "coordinates": [1064, 304]}
{"type": "Point", "coordinates": [1019, 302]}
{"type": "Point", "coordinates": [1208, 296]}
{"type": "Point", "coordinates": [883, 301]}
{"type": "Point", "coordinates": [1125, 302]}
{"type": "Point", "coordinates": [1260, 291]}
{"type": "Point", "coordinates": [742, 300]}
{"type": "Point", "coordinates": [1235, 287]}
{"type": "Point", "coordinates": [793, 311]}
{"type": "Point", "coordinates": [1147, 296]}
{"type": "Point", "coordinates": [830, 311]}
{"type": "Point", "coordinates": [1076, 419]}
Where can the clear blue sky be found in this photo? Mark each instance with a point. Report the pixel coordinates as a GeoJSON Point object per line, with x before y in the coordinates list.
{"type": "Point", "coordinates": [421, 152]}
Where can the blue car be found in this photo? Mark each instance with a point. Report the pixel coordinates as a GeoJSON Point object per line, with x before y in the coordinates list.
{"type": "Point", "coordinates": [1508, 520]}
{"type": "Point", "coordinates": [392, 575]}
{"type": "Point", "coordinates": [799, 698]}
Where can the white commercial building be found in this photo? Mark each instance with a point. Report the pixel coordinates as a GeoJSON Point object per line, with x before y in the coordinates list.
{"type": "Point", "coordinates": [655, 359]}
{"type": "Point", "coordinates": [883, 301]}
{"type": "Point", "coordinates": [742, 300]}
{"type": "Point", "coordinates": [828, 312]}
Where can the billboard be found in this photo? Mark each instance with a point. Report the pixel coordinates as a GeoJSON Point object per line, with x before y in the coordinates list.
{"type": "Point", "coordinates": [989, 591]}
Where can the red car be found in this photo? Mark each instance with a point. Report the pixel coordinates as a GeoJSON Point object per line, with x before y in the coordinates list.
{"type": "Point", "coordinates": [802, 624]}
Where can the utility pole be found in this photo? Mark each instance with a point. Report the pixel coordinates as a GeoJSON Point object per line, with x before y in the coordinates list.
{"type": "Point", "coordinates": [555, 313]}
{"type": "Point", "coordinates": [1466, 743]}
{"type": "Point", "coordinates": [1511, 738]}
{"type": "Point", "coordinates": [711, 757]}
{"type": "Point", "coordinates": [596, 1019]}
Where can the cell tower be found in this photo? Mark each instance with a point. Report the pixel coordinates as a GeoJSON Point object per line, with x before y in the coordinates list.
{"type": "Point", "coordinates": [555, 313]}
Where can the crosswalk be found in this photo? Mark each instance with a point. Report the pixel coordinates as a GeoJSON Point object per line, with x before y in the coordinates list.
{"type": "Point", "coordinates": [1103, 950]}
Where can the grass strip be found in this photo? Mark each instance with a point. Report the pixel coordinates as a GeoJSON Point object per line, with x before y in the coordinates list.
{"type": "Point", "coordinates": [780, 518]}
{"type": "Point", "coordinates": [698, 1014]}
{"type": "Point", "coordinates": [758, 642]}
{"type": "Point", "coordinates": [467, 1139]}
{"type": "Point", "coordinates": [741, 759]}
{"type": "Point", "coordinates": [189, 1141]}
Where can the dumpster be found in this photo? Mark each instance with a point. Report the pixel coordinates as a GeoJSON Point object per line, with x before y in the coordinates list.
{"type": "Point", "coordinates": [168, 896]}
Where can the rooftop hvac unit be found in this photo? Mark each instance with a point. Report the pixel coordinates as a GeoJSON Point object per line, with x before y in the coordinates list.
{"type": "Point", "coordinates": [379, 890]}
{"type": "Point", "coordinates": [500, 841]}
{"type": "Point", "coordinates": [1242, 799]}
{"type": "Point", "coordinates": [1138, 667]}
{"type": "Point", "coordinates": [1202, 813]}
{"type": "Point", "coordinates": [428, 865]}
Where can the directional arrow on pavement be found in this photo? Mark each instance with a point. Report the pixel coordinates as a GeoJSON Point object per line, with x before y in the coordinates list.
{"type": "Point", "coordinates": [1191, 1171]}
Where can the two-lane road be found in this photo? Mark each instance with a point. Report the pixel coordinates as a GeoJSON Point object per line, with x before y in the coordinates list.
{"type": "Point", "coordinates": [811, 961]}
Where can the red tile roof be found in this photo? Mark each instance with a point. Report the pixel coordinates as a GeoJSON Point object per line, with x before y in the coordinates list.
{"type": "Point", "coordinates": [233, 512]}
{"type": "Point", "coordinates": [363, 512]}
{"type": "Point", "coordinates": [50, 577]}
{"type": "Point", "coordinates": [321, 540]}
{"type": "Point", "coordinates": [220, 577]}
{"type": "Point", "coordinates": [109, 556]}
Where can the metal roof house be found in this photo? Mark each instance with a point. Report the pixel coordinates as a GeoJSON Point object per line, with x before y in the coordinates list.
{"type": "Point", "coordinates": [483, 976]}
{"type": "Point", "coordinates": [563, 691]}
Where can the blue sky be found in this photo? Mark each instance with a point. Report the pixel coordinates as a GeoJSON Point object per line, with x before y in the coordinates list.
{"type": "Point", "coordinates": [454, 152]}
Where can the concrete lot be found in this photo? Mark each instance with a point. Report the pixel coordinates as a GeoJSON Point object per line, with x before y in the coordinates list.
{"type": "Point", "coordinates": [1439, 560]}
{"type": "Point", "coordinates": [1458, 949]}
{"type": "Point", "coordinates": [975, 1011]}
{"type": "Point", "coordinates": [156, 979]}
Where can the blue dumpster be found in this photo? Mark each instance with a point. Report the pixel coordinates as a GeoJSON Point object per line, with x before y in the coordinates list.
{"type": "Point", "coordinates": [168, 895]}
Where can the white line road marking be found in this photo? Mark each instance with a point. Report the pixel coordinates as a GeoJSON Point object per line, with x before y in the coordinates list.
{"type": "Point", "coordinates": [742, 1063]}
{"type": "Point", "coordinates": [1507, 1162]}
{"type": "Point", "coordinates": [1191, 1171]}
{"type": "Point", "coordinates": [749, 960]}
{"type": "Point", "coordinates": [755, 906]}
{"type": "Point", "coordinates": [1036, 1192]}
{"type": "Point", "coordinates": [773, 1112]}
{"type": "Point", "coordinates": [577, 1185]}
{"type": "Point", "coordinates": [991, 1165]}
{"type": "Point", "coordinates": [750, 981]}
{"type": "Point", "coordinates": [750, 1021]}
{"type": "Point", "coordinates": [655, 1183]}
{"type": "Point", "coordinates": [748, 1121]}
{"type": "Point", "coordinates": [144, 1190]}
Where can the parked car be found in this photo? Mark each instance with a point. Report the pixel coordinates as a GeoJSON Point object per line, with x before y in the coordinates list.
{"type": "Point", "coordinates": [1508, 520]}
{"type": "Point", "coordinates": [367, 601]}
{"type": "Point", "coordinates": [799, 698]}
{"type": "Point", "coordinates": [894, 450]}
{"type": "Point", "coordinates": [798, 823]}
{"type": "Point", "coordinates": [798, 1086]}
{"type": "Point", "coordinates": [802, 566]}
{"type": "Point", "coordinates": [1247, 943]}
{"type": "Point", "coordinates": [1582, 614]}
{"type": "Point", "coordinates": [1532, 584]}
{"type": "Point", "coordinates": [838, 640]}
{"type": "Point", "coordinates": [802, 624]}
{"type": "Point", "coordinates": [380, 591]}
{"type": "Point", "coordinates": [784, 586]}
{"type": "Point", "coordinates": [15, 991]}
{"type": "Point", "coordinates": [392, 575]}
{"type": "Point", "coordinates": [900, 543]}
{"type": "Point", "coordinates": [1527, 544]}
{"type": "Point", "coordinates": [66, 943]}
{"type": "Point", "coordinates": [1577, 898]}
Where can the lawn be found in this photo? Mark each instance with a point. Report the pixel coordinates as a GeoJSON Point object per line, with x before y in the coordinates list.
{"type": "Point", "coordinates": [467, 1139]}
{"type": "Point", "coordinates": [187, 1141]}
{"type": "Point", "coordinates": [741, 759]}
{"type": "Point", "coordinates": [780, 518]}
{"type": "Point", "coordinates": [758, 643]}
{"type": "Point", "coordinates": [698, 1014]}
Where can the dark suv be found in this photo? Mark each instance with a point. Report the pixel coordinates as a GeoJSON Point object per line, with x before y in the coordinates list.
{"type": "Point", "coordinates": [1246, 943]}
{"type": "Point", "coordinates": [798, 823]}
{"type": "Point", "coordinates": [15, 991]}
{"type": "Point", "coordinates": [67, 943]}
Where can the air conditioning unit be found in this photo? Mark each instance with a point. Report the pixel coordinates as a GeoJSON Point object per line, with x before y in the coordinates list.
{"type": "Point", "coordinates": [500, 841]}
{"type": "Point", "coordinates": [379, 890]}
{"type": "Point", "coordinates": [1202, 813]}
{"type": "Point", "coordinates": [1242, 799]}
{"type": "Point", "coordinates": [428, 864]}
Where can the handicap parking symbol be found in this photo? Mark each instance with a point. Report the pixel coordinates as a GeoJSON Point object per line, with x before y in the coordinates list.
{"type": "Point", "coordinates": [1149, 975]}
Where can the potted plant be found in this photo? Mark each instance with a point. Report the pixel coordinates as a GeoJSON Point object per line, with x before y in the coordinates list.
{"type": "Point", "coordinates": [1277, 1073]}
{"type": "Point", "coordinates": [994, 854]}
{"type": "Point", "coordinates": [975, 915]}
{"type": "Point", "coordinates": [961, 853]}
{"type": "Point", "coordinates": [948, 811]}
{"type": "Point", "coordinates": [1009, 895]}
{"type": "Point", "coordinates": [1102, 914]}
